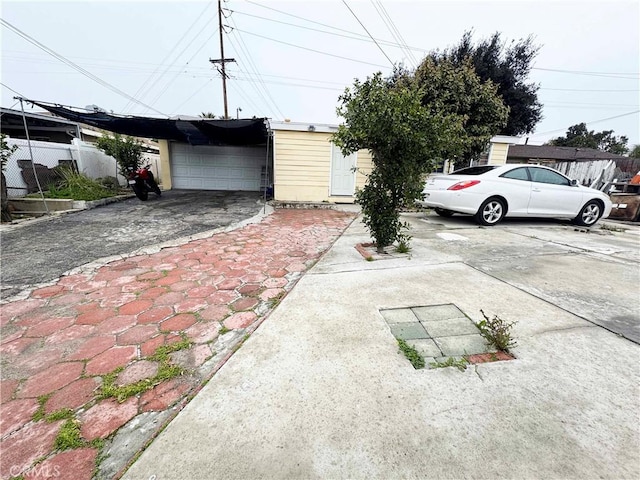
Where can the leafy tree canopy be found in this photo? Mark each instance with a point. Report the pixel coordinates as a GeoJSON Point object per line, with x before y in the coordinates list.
{"type": "Point", "coordinates": [405, 139]}
{"type": "Point", "coordinates": [508, 66]}
{"type": "Point", "coordinates": [457, 90]}
{"type": "Point", "coordinates": [579, 136]}
{"type": "Point", "coordinates": [635, 151]}
{"type": "Point", "coordinates": [126, 150]}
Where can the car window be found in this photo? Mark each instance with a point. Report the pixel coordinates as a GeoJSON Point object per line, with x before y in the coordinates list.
{"type": "Point", "coordinates": [542, 175]}
{"type": "Point", "coordinates": [479, 170]}
{"type": "Point", "coordinates": [517, 174]}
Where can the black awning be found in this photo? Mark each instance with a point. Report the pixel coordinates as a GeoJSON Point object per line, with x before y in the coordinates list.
{"type": "Point", "coordinates": [194, 132]}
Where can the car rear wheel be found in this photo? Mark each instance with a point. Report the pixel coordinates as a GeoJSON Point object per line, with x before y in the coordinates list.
{"type": "Point", "coordinates": [444, 213]}
{"type": "Point", "coordinates": [590, 214]}
{"type": "Point", "coordinates": [491, 212]}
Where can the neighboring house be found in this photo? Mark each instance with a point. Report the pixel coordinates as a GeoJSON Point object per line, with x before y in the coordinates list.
{"type": "Point", "coordinates": [43, 127]}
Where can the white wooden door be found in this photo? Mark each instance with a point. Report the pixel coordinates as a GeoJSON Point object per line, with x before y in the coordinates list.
{"type": "Point", "coordinates": [343, 177]}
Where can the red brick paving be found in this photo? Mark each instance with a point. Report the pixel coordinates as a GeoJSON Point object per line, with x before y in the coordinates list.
{"type": "Point", "coordinates": [112, 318]}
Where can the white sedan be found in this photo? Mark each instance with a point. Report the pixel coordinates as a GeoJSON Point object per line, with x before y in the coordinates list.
{"type": "Point", "coordinates": [491, 192]}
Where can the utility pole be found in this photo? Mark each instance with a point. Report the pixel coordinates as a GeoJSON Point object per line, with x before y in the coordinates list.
{"type": "Point", "coordinates": [222, 61]}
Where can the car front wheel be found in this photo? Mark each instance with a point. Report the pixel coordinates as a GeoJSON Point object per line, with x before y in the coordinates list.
{"type": "Point", "coordinates": [589, 214]}
{"type": "Point", "coordinates": [491, 212]}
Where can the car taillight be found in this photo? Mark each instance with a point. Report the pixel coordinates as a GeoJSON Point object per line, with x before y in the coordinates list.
{"type": "Point", "coordinates": [463, 185]}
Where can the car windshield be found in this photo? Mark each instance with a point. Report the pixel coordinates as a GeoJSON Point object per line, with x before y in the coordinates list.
{"type": "Point", "coordinates": [479, 170]}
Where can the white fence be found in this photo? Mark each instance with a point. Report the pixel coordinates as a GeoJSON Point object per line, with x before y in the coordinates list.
{"type": "Point", "coordinates": [88, 159]}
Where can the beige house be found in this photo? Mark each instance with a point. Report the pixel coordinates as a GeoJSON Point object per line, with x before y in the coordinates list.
{"type": "Point", "coordinates": [308, 167]}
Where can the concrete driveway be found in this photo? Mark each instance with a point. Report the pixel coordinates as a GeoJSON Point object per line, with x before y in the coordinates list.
{"type": "Point", "coordinates": [41, 251]}
{"type": "Point", "coordinates": [320, 390]}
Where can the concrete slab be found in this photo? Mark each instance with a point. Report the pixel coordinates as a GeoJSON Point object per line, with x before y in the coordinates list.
{"type": "Point", "coordinates": [330, 397]}
{"type": "Point", "coordinates": [408, 331]}
{"type": "Point", "coordinates": [426, 347]}
{"type": "Point", "coordinates": [462, 345]}
{"type": "Point", "coordinates": [450, 327]}
{"type": "Point", "coordinates": [434, 313]}
{"type": "Point", "coordinates": [399, 315]}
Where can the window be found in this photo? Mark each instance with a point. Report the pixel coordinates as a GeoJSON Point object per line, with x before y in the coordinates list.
{"type": "Point", "coordinates": [517, 174]}
{"type": "Point", "coordinates": [479, 170]}
{"type": "Point", "coordinates": [542, 175]}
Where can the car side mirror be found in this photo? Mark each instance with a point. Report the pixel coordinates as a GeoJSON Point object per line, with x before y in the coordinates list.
{"type": "Point", "coordinates": [574, 183]}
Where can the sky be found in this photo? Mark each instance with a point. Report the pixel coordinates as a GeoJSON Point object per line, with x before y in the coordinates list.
{"type": "Point", "coordinates": [294, 58]}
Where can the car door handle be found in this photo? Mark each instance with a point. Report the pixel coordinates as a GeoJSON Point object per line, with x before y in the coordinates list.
{"type": "Point", "coordinates": [536, 190]}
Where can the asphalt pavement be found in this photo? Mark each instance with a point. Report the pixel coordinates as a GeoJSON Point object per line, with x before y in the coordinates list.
{"type": "Point", "coordinates": [40, 251]}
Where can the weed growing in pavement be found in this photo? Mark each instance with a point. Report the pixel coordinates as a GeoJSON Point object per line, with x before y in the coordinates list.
{"type": "Point", "coordinates": [411, 353]}
{"type": "Point", "coordinates": [64, 414]}
{"type": "Point", "coordinates": [39, 413]}
{"type": "Point", "coordinates": [369, 258]}
{"type": "Point", "coordinates": [497, 332]}
{"type": "Point", "coordinates": [612, 228]}
{"type": "Point", "coordinates": [223, 330]}
{"type": "Point", "coordinates": [403, 244]}
{"type": "Point", "coordinates": [166, 371]}
{"type": "Point", "coordinates": [69, 436]}
{"type": "Point", "coordinates": [460, 364]}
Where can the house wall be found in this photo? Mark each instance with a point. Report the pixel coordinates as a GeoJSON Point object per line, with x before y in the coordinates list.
{"type": "Point", "coordinates": [165, 167]}
{"type": "Point", "coordinates": [302, 167]}
{"type": "Point", "coordinates": [498, 153]}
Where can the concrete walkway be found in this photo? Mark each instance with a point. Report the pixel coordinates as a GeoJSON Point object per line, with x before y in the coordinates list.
{"type": "Point", "coordinates": [320, 390]}
{"type": "Point", "coordinates": [95, 363]}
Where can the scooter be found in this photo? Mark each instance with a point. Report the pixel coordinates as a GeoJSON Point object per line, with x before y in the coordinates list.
{"type": "Point", "coordinates": [142, 182]}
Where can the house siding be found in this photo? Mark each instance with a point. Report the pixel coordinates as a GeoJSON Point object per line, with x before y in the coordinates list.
{"type": "Point", "coordinates": [302, 167]}
{"type": "Point", "coordinates": [498, 153]}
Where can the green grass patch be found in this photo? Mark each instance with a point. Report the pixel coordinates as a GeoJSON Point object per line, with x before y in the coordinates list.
{"type": "Point", "coordinates": [411, 353]}
{"type": "Point", "coordinates": [460, 364]}
{"type": "Point", "coordinates": [69, 436]}
{"type": "Point", "coordinates": [39, 413]}
{"type": "Point", "coordinates": [166, 371]}
{"type": "Point", "coordinates": [64, 414]}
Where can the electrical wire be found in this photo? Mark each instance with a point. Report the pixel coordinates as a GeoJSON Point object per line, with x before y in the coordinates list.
{"type": "Point", "coordinates": [365, 29]}
{"type": "Point", "coordinates": [252, 64]}
{"type": "Point", "coordinates": [166, 58]}
{"type": "Point", "coordinates": [73, 65]}
{"type": "Point", "coordinates": [395, 33]}
{"type": "Point", "coordinates": [313, 50]}
{"type": "Point", "coordinates": [587, 123]}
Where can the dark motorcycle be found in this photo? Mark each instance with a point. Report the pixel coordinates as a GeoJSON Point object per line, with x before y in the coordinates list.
{"type": "Point", "coordinates": [142, 182]}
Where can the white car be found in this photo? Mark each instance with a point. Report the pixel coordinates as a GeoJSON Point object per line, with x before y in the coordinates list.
{"type": "Point", "coordinates": [491, 192]}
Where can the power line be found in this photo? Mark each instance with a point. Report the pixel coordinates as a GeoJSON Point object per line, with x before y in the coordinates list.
{"type": "Point", "coordinates": [587, 123]}
{"type": "Point", "coordinates": [590, 90]}
{"type": "Point", "coordinates": [64, 60]}
{"type": "Point", "coordinates": [166, 58]}
{"type": "Point", "coordinates": [395, 33]}
{"type": "Point", "coordinates": [313, 50]}
{"type": "Point", "coordinates": [252, 65]}
{"type": "Point", "coordinates": [624, 76]}
{"type": "Point", "coordinates": [365, 29]}
{"type": "Point", "coordinates": [9, 88]}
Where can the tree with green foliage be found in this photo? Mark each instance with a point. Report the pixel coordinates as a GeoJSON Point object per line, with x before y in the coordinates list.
{"type": "Point", "coordinates": [457, 90]}
{"type": "Point", "coordinates": [507, 66]}
{"type": "Point", "coordinates": [126, 150]}
{"type": "Point", "coordinates": [635, 151]}
{"type": "Point", "coordinates": [581, 137]}
{"type": "Point", "coordinates": [405, 139]}
{"type": "Point", "coordinates": [5, 153]}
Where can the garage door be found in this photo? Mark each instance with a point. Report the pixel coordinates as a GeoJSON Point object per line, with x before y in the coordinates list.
{"type": "Point", "coordinates": [217, 168]}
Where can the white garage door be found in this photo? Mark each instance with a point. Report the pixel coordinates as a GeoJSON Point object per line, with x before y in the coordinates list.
{"type": "Point", "coordinates": [216, 168]}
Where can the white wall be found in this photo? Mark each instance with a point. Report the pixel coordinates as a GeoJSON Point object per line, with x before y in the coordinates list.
{"type": "Point", "coordinates": [91, 161]}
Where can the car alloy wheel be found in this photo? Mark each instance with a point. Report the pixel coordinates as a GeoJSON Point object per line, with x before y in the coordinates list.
{"type": "Point", "coordinates": [589, 214]}
{"type": "Point", "coordinates": [490, 212]}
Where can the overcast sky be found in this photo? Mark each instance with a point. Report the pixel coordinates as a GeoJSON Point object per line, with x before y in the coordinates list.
{"type": "Point", "coordinates": [287, 66]}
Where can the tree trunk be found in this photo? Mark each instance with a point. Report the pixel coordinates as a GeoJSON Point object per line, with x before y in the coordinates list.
{"type": "Point", "coordinates": [6, 214]}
